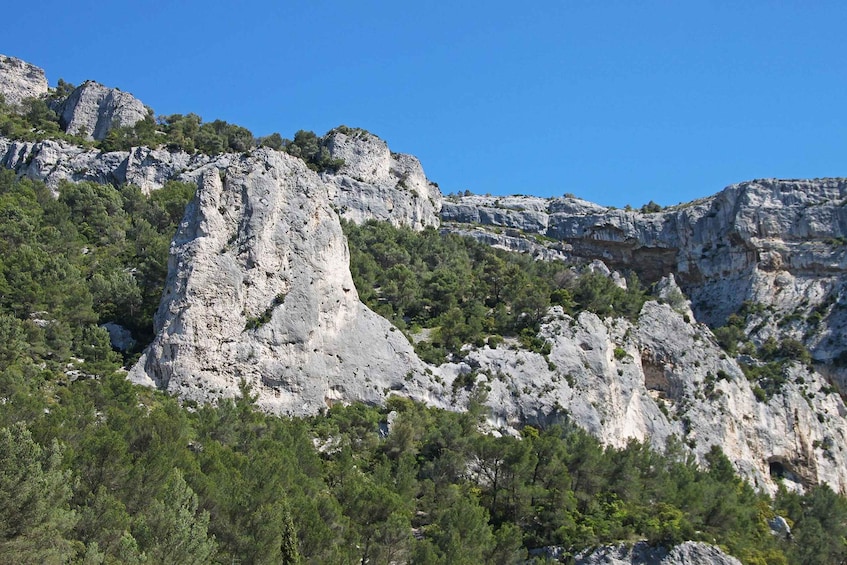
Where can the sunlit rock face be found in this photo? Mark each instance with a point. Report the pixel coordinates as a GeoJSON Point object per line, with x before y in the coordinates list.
{"type": "Point", "coordinates": [642, 554]}
{"type": "Point", "coordinates": [395, 190]}
{"type": "Point", "coordinates": [20, 80]}
{"type": "Point", "coordinates": [259, 290]}
{"type": "Point", "coordinates": [93, 109]}
{"type": "Point", "coordinates": [663, 379]}
{"type": "Point", "coordinates": [375, 183]}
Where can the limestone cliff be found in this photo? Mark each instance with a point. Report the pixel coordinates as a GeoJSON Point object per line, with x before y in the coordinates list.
{"type": "Point", "coordinates": [375, 183]}
{"type": "Point", "coordinates": [775, 243]}
{"type": "Point", "coordinates": [357, 198]}
{"type": "Point", "coordinates": [53, 161]}
{"type": "Point", "coordinates": [20, 80]}
{"type": "Point", "coordinates": [259, 289]}
{"type": "Point", "coordinates": [665, 377]}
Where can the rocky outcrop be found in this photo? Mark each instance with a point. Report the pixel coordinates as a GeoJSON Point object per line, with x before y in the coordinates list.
{"type": "Point", "coordinates": [381, 197]}
{"type": "Point", "coordinates": [640, 553]}
{"type": "Point", "coordinates": [515, 240]}
{"type": "Point", "coordinates": [375, 183]}
{"type": "Point", "coordinates": [777, 243]}
{"type": "Point", "coordinates": [20, 80]}
{"type": "Point", "coordinates": [259, 290]}
{"type": "Point", "coordinates": [93, 109]}
{"type": "Point", "coordinates": [660, 378]}
{"type": "Point", "coordinates": [53, 161]}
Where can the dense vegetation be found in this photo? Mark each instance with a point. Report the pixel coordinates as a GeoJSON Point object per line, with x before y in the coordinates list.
{"type": "Point", "coordinates": [100, 471]}
{"type": "Point", "coordinates": [468, 292]}
{"type": "Point", "coordinates": [93, 255]}
{"type": "Point", "coordinates": [96, 470]}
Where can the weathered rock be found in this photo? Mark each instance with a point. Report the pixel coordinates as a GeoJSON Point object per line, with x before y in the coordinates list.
{"type": "Point", "coordinates": [512, 240]}
{"type": "Point", "coordinates": [777, 243]}
{"type": "Point", "coordinates": [259, 289]}
{"type": "Point", "coordinates": [642, 554]}
{"type": "Point", "coordinates": [93, 109]}
{"type": "Point", "coordinates": [375, 183]}
{"type": "Point", "coordinates": [415, 206]}
{"type": "Point", "coordinates": [20, 80]}
{"type": "Point", "coordinates": [54, 161]}
{"type": "Point", "coordinates": [779, 527]}
{"type": "Point", "coordinates": [661, 378]}
{"type": "Point", "coordinates": [120, 337]}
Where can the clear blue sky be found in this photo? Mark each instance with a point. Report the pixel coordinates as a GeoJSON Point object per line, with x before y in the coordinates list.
{"type": "Point", "coordinates": [616, 102]}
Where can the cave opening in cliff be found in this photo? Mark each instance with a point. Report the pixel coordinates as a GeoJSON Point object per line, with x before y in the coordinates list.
{"type": "Point", "coordinates": [654, 375]}
{"type": "Point", "coordinates": [777, 470]}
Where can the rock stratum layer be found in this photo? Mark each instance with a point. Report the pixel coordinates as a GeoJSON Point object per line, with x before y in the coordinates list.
{"type": "Point", "coordinates": [259, 290]}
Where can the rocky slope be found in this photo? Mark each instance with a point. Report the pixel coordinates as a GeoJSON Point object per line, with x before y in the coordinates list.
{"type": "Point", "coordinates": [775, 248]}
{"type": "Point", "coordinates": [642, 554]}
{"type": "Point", "coordinates": [775, 243]}
{"type": "Point", "coordinates": [384, 196]}
{"type": "Point", "coordinates": [259, 289]}
{"type": "Point", "coordinates": [663, 378]}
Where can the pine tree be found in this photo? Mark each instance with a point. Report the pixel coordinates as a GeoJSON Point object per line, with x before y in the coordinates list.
{"type": "Point", "coordinates": [34, 494]}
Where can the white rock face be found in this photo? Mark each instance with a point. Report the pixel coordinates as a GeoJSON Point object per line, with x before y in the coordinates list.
{"type": "Point", "coordinates": [750, 234]}
{"type": "Point", "coordinates": [687, 553]}
{"type": "Point", "coordinates": [377, 184]}
{"type": "Point", "coordinates": [259, 289]}
{"type": "Point", "coordinates": [661, 378]}
{"type": "Point", "coordinates": [95, 109]}
{"type": "Point", "coordinates": [19, 80]}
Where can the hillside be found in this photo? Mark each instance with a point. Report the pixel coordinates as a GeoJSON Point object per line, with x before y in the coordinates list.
{"type": "Point", "coordinates": [711, 328]}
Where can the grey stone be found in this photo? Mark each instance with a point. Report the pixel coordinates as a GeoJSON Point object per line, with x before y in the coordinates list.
{"type": "Point", "coordinates": [779, 527]}
{"type": "Point", "coordinates": [642, 554]}
{"type": "Point", "coordinates": [259, 289]}
{"type": "Point", "coordinates": [120, 337]}
{"type": "Point", "coordinates": [779, 244]}
{"type": "Point", "coordinates": [94, 109]}
{"type": "Point", "coordinates": [20, 80]}
{"type": "Point", "coordinates": [375, 183]}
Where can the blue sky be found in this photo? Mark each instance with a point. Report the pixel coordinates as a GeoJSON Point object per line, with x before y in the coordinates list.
{"type": "Point", "coordinates": [616, 102]}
